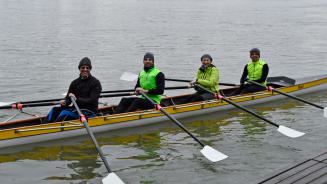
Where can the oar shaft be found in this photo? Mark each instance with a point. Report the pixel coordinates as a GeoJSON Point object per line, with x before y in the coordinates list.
{"type": "Point", "coordinates": [132, 90]}
{"type": "Point", "coordinates": [21, 106]}
{"type": "Point", "coordinates": [297, 98]}
{"type": "Point", "coordinates": [288, 95]}
{"type": "Point", "coordinates": [177, 87]}
{"type": "Point", "coordinates": [227, 84]}
{"type": "Point", "coordinates": [249, 111]}
{"type": "Point", "coordinates": [172, 118]}
{"type": "Point", "coordinates": [83, 119]}
{"type": "Point", "coordinates": [117, 95]}
{"type": "Point", "coordinates": [119, 91]}
{"type": "Point", "coordinates": [239, 106]}
{"type": "Point", "coordinates": [177, 80]}
{"type": "Point", "coordinates": [181, 126]}
{"type": "Point", "coordinates": [40, 101]}
{"type": "Point", "coordinates": [182, 80]}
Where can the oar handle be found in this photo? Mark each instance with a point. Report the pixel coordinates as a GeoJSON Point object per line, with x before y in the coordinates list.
{"type": "Point", "coordinates": [84, 120]}
{"type": "Point", "coordinates": [220, 97]}
{"type": "Point", "coordinates": [269, 88]}
{"type": "Point", "coordinates": [158, 107]}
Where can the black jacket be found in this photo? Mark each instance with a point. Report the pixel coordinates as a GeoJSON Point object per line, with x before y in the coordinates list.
{"type": "Point", "coordinates": [87, 92]}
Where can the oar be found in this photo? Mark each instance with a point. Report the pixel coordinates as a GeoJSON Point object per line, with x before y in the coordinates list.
{"type": "Point", "coordinates": [127, 76]}
{"type": "Point", "coordinates": [112, 178]}
{"type": "Point", "coordinates": [117, 95]}
{"type": "Point", "coordinates": [282, 129]}
{"type": "Point", "coordinates": [21, 106]}
{"type": "Point", "coordinates": [209, 152]}
{"type": "Point", "coordinates": [178, 80]}
{"type": "Point", "coordinates": [132, 90]}
{"type": "Point", "coordinates": [29, 102]}
{"type": "Point", "coordinates": [50, 102]}
{"type": "Point", "coordinates": [269, 88]}
{"type": "Point", "coordinates": [182, 80]}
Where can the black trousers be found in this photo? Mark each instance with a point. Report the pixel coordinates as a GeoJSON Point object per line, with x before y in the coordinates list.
{"type": "Point", "coordinates": [199, 96]}
{"type": "Point", "coordinates": [133, 104]}
{"type": "Point", "coordinates": [251, 88]}
{"type": "Point", "coordinates": [66, 113]}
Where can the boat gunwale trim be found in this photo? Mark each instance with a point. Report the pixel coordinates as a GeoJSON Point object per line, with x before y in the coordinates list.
{"type": "Point", "coordinates": [47, 128]}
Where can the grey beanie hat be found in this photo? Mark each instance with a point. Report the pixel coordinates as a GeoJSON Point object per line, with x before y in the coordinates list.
{"type": "Point", "coordinates": [85, 61]}
{"type": "Point", "coordinates": [206, 56]}
{"type": "Point", "coordinates": [148, 55]}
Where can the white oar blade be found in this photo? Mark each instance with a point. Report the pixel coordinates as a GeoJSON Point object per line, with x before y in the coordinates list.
{"type": "Point", "coordinates": [5, 103]}
{"type": "Point", "coordinates": [212, 154]}
{"type": "Point", "coordinates": [112, 178]}
{"type": "Point", "coordinates": [128, 76]}
{"type": "Point", "coordinates": [325, 112]}
{"type": "Point", "coordinates": [289, 132]}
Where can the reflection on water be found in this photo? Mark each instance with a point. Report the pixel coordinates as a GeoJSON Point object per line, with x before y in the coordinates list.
{"type": "Point", "coordinates": [142, 149]}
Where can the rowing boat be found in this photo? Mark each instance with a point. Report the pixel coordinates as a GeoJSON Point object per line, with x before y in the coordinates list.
{"type": "Point", "coordinates": [33, 130]}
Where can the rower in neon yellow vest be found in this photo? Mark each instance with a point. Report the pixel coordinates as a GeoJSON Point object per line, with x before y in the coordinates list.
{"type": "Point", "coordinates": [150, 81]}
{"type": "Point", "coordinates": [256, 70]}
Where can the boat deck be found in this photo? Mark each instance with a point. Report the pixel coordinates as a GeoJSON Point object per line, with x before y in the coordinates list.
{"type": "Point", "coordinates": [312, 171]}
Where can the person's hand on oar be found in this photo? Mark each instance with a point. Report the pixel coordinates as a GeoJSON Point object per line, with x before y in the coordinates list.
{"type": "Point", "coordinates": [282, 129]}
{"type": "Point", "coordinates": [139, 90]}
{"type": "Point", "coordinates": [270, 88]}
{"type": "Point", "coordinates": [209, 152]}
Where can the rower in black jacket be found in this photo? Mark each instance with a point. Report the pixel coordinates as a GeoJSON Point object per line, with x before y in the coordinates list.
{"type": "Point", "coordinates": [86, 89]}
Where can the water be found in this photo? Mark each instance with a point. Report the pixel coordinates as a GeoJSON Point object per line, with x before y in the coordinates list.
{"type": "Point", "coordinates": [41, 43]}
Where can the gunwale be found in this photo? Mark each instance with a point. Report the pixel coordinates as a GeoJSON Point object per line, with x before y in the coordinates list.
{"type": "Point", "coordinates": [44, 132]}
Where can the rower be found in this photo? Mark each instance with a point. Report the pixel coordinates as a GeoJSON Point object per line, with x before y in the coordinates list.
{"type": "Point", "coordinates": [257, 71]}
{"type": "Point", "coordinates": [150, 81]}
{"type": "Point", "coordinates": [208, 77]}
{"type": "Point", "coordinates": [86, 89]}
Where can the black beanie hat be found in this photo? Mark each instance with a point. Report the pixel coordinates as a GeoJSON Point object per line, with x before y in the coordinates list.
{"type": "Point", "coordinates": [85, 61]}
{"type": "Point", "coordinates": [206, 56]}
{"type": "Point", "coordinates": [148, 55]}
{"type": "Point", "coordinates": [255, 50]}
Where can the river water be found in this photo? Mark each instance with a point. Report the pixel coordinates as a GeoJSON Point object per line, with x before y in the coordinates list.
{"type": "Point", "coordinates": [41, 43]}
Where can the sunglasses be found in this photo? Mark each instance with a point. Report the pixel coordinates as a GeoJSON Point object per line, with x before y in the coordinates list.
{"type": "Point", "coordinates": [85, 68]}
